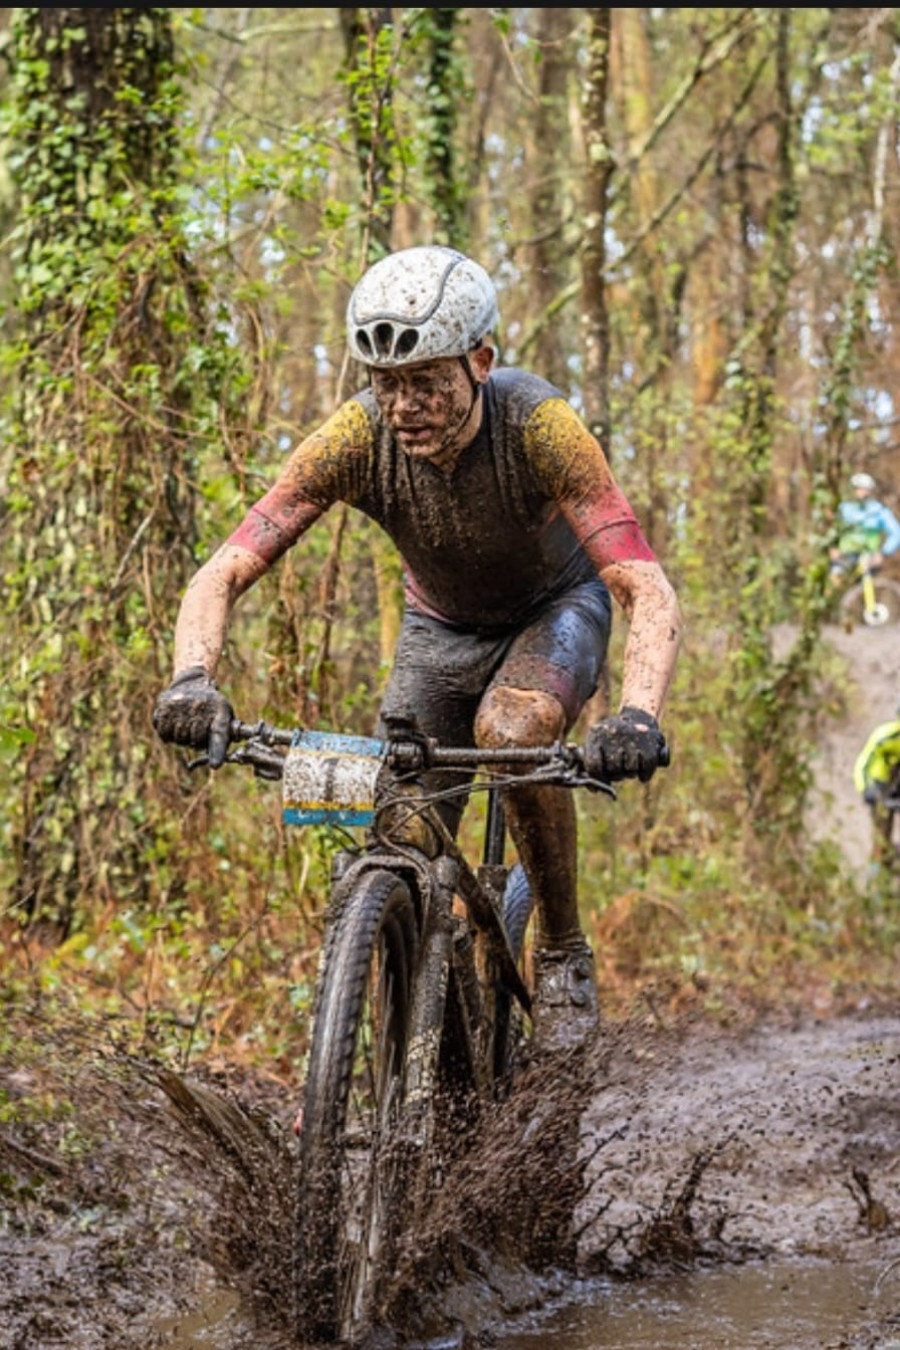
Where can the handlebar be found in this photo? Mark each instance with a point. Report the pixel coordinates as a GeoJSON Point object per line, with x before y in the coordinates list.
{"type": "Point", "coordinates": [263, 746]}
{"type": "Point", "coordinates": [260, 731]}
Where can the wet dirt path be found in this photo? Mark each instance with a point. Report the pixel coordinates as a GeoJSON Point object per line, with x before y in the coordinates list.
{"type": "Point", "coordinates": [779, 1125]}
{"type": "Point", "coordinates": [712, 1157]}
{"type": "Point", "coordinates": [778, 1304]}
{"type": "Point", "coordinates": [742, 1189]}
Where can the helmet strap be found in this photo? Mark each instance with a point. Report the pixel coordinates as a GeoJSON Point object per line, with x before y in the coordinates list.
{"type": "Point", "coordinates": [476, 387]}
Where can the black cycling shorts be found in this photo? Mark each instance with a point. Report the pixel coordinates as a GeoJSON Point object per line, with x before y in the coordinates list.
{"type": "Point", "coordinates": [442, 672]}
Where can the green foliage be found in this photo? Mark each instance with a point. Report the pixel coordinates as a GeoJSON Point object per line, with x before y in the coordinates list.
{"type": "Point", "coordinates": [124, 372]}
{"type": "Point", "coordinates": [446, 91]}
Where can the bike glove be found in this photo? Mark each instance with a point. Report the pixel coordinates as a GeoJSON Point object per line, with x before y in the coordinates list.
{"type": "Point", "coordinates": [870, 795]}
{"type": "Point", "coordinates": [192, 712]}
{"type": "Point", "coordinates": [629, 745]}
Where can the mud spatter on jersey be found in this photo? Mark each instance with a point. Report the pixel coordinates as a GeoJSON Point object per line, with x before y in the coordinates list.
{"type": "Point", "coordinates": [529, 509]}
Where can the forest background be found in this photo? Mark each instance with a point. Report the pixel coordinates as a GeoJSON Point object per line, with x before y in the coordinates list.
{"type": "Point", "coordinates": [693, 221]}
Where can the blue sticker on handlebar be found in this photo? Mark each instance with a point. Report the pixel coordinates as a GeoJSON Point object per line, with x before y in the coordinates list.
{"type": "Point", "coordinates": [330, 779]}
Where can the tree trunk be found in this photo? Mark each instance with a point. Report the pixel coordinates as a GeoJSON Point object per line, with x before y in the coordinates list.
{"type": "Point", "coordinates": [103, 530]}
{"type": "Point", "coordinates": [595, 318]}
{"type": "Point", "coordinates": [548, 261]}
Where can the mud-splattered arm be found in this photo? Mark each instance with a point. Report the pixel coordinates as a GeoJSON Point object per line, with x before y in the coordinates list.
{"type": "Point", "coordinates": [654, 633]}
{"type": "Point", "coordinates": [202, 623]}
{"type": "Point", "coordinates": [575, 472]}
{"type": "Point", "coordinates": [322, 469]}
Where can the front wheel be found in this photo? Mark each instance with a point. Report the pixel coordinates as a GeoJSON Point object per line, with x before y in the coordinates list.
{"type": "Point", "coordinates": [884, 608]}
{"type": "Point", "coordinates": [349, 1175]}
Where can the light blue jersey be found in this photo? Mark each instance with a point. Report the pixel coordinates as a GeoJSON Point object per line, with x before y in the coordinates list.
{"type": "Point", "coordinates": [868, 527]}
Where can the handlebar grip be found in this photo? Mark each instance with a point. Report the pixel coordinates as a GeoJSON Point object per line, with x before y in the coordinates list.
{"type": "Point", "coordinates": [242, 731]}
{"type": "Point", "coordinates": [262, 731]}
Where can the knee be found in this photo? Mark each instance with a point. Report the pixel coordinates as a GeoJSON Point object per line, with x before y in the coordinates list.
{"type": "Point", "coordinates": [518, 717]}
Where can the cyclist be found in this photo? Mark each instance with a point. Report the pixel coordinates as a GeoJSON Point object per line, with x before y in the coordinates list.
{"type": "Point", "coordinates": [867, 528]}
{"type": "Point", "coordinates": [513, 534]}
{"type": "Point", "coordinates": [876, 776]}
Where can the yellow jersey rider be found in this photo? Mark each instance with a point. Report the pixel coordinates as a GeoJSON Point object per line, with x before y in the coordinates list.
{"type": "Point", "coordinates": [876, 777]}
{"type": "Point", "coordinates": [513, 535]}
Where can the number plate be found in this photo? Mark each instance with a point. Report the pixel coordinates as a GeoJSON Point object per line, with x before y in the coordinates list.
{"type": "Point", "coordinates": [330, 779]}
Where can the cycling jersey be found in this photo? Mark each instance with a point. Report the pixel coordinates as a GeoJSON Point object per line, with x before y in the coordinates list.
{"type": "Point", "coordinates": [879, 757]}
{"type": "Point", "coordinates": [868, 527]}
{"type": "Point", "coordinates": [529, 509]}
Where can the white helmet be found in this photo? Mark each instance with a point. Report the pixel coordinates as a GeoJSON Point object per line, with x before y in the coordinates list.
{"type": "Point", "coordinates": [863, 480]}
{"type": "Point", "coordinates": [420, 304]}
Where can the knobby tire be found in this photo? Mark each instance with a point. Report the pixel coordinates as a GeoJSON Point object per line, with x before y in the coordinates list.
{"type": "Point", "coordinates": [518, 904]}
{"type": "Point", "coordinates": [509, 1032]}
{"type": "Point", "coordinates": [348, 1170]}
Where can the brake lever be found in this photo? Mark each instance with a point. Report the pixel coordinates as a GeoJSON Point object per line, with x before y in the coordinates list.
{"type": "Point", "coordinates": [270, 768]}
{"type": "Point", "coordinates": [266, 763]}
{"type": "Point", "coordinates": [592, 785]}
{"type": "Point", "coordinates": [571, 777]}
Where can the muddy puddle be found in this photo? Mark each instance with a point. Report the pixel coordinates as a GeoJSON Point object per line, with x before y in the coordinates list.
{"type": "Point", "coordinates": [776, 1305]}
{"type": "Point", "coordinates": [735, 1192]}
{"type": "Point", "coordinates": [772, 1305]}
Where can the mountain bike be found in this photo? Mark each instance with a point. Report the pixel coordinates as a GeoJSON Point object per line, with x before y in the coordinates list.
{"type": "Point", "coordinates": [871, 599]}
{"type": "Point", "coordinates": [421, 1006]}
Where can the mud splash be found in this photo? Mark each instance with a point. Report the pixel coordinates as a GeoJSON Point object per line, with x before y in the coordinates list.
{"type": "Point", "coordinates": [496, 1238]}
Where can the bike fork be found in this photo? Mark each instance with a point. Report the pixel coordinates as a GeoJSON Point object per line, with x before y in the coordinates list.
{"type": "Point", "coordinates": [429, 1001]}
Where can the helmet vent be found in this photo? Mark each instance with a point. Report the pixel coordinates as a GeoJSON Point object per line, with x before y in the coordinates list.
{"type": "Point", "coordinates": [362, 341]}
{"type": "Point", "coordinates": [406, 342]}
{"type": "Point", "coordinates": [384, 338]}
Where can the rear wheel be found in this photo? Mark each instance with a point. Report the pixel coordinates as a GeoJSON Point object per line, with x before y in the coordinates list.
{"type": "Point", "coordinates": [885, 610]}
{"type": "Point", "coordinates": [518, 903]}
{"type": "Point", "coordinates": [509, 1022]}
{"type": "Point", "coordinates": [350, 1161]}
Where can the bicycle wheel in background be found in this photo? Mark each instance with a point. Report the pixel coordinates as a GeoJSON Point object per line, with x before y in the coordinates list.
{"type": "Point", "coordinates": [347, 1202]}
{"type": "Point", "coordinates": [509, 1023]}
{"type": "Point", "coordinates": [887, 605]}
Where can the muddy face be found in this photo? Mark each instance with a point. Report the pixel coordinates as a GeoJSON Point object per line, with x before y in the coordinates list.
{"type": "Point", "coordinates": [430, 408]}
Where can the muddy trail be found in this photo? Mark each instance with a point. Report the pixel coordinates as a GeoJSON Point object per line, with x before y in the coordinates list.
{"type": "Point", "coordinates": [156, 1202]}
{"type": "Point", "coordinates": [145, 1210]}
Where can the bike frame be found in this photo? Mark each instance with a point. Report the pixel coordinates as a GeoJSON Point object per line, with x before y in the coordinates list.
{"type": "Point", "coordinates": [874, 614]}
{"type": "Point", "coordinates": [448, 944]}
